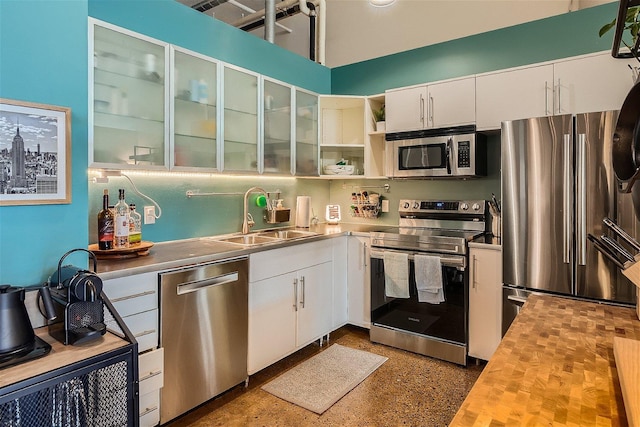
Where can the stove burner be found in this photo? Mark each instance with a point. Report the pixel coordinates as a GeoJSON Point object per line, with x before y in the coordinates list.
{"type": "Point", "coordinates": [38, 348]}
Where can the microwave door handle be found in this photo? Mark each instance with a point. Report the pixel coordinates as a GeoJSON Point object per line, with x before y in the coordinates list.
{"type": "Point", "coordinates": [449, 143]}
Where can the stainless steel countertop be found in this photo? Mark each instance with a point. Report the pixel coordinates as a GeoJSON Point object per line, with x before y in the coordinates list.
{"type": "Point", "coordinates": [179, 253]}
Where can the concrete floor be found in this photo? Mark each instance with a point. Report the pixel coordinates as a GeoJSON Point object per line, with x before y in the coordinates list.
{"type": "Point", "coordinates": [407, 390]}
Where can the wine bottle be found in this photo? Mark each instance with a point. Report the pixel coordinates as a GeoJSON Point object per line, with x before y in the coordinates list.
{"type": "Point", "coordinates": [135, 226]}
{"type": "Point", "coordinates": [121, 228]}
{"type": "Point", "coordinates": [105, 224]}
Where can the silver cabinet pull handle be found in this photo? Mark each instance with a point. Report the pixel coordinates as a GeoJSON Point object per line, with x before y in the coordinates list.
{"type": "Point", "coordinates": [364, 255]}
{"type": "Point", "coordinates": [141, 294]}
{"type": "Point", "coordinates": [143, 333]}
{"type": "Point", "coordinates": [148, 411]}
{"type": "Point", "coordinates": [303, 291]}
{"type": "Point", "coordinates": [151, 375]}
{"type": "Point", "coordinates": [422, 109]}
{"type": "Point", "coordinates": [431, 107]}
{"type": "Point", "coordinates": [295, 294]}
{"type": "Point", "coordinates": [475, 272]}
{"type": "Point", "coordinates": [559, 103]}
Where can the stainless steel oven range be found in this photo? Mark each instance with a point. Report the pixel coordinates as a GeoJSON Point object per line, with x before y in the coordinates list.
{"type": "Point", "coordinates": [430, 233]}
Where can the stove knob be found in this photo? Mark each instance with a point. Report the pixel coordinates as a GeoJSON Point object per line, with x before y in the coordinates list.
{"type": "Point", "coordinates": [476, 206]}
{"type": "Point", "coordinates": [464, 206]}
{"type": "Point", "coordinates": [416, 205]}
{"type": "Point", "coordinates": [405, 205]}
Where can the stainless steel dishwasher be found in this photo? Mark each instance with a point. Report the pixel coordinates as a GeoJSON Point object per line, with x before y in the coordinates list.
{"type": "Point", "coordinates": [203, 329]}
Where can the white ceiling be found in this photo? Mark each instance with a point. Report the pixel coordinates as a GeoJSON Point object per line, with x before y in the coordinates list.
{"type": "Point", "coordinates": [357, 31]}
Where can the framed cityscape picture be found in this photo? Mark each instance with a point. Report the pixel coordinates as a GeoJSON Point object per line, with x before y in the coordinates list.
{"type": "Point", "coordinates": [35, 153]}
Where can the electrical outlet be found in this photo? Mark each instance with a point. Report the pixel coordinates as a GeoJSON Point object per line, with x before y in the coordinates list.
{"type": "Point", "coordinates": [385, 206]}
{"type": "Point", "coordinates": [149, 214]}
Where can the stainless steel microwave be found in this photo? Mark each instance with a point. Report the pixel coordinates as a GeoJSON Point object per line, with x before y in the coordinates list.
{"type": "Point", "coordinates": [444, 156]}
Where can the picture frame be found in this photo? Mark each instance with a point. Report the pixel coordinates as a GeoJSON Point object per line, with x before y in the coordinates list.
{"type": "Point", "coordinates": [41, 174]}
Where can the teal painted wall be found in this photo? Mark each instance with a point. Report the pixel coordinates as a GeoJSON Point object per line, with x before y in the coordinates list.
{"type": "Point", "coordinates": [172, 22]}
{"type": "Point", "coordinates": [561, 36]}
{"type": "Point", "coordinates": [43, 57]}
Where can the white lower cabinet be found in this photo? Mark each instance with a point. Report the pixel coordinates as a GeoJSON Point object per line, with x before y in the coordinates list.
{"type": "Point", "coordinates": [485, 300]}
{"type": "Point", "coordinates": [340, 290]}
{"type": "Point", "coordinates": [150, 375]}
{"type": "Point", "coordinates": [135, 298]}
{"type": "Point", "coordinates": [359, 281]}
{"type": "Point", "coordinates": [290, 300]}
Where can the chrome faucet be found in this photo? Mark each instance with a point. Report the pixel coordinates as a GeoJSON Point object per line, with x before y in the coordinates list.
{"type": "Point", "coordinates": [247, 219]}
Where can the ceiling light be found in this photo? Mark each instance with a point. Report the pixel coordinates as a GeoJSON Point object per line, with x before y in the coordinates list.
{"type": "Point", "coordinates": [381, 3]}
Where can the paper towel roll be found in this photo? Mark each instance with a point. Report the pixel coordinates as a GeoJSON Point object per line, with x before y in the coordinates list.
{"type": "Point", "coordinates": [303, 211]}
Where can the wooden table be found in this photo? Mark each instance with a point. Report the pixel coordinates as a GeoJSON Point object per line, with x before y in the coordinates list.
{"type": "Point", "coordinates": [60, 355]}
{"type": "Point", "coordinates": [554, 367]}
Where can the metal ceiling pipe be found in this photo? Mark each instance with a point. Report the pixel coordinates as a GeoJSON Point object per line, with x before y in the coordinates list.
{"type": "Point", "coordinates": [312, 32]}
{"type": "Point", "coordinates": [269, 20]}
{"type": "Point", "coordinates": [258, 16]}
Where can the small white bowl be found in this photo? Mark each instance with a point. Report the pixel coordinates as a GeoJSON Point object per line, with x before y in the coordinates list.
{"type": "Point", "coordinates": [339, 169]}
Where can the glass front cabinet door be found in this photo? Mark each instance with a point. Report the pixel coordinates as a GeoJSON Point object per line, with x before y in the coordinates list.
{"type": "Point", "coordinates": [194, 111]}
{"type": "Point", "coordinates": [277, 127]}
{"type": "Point", "coordinates": [306, 148]}
{"type": "Point", "coordinates": [128, 109]}
{"type": "Point", "coordinates": [240, 120]}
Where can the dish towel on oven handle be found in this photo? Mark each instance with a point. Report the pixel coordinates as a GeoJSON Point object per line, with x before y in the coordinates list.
{"type": "Point", "coordinates": [428, 275]}
{"type": "Point", "coordinates": [396, 274]}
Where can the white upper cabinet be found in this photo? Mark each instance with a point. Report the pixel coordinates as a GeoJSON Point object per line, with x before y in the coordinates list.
{"type": "Point", "coordinates": [240, 89]}
{"type": "Point", "coordinates": [406, 109]}
{"type": "Point", "coordinates": [452, 103]}
{"type": "Point", "coordinates": [276, 132]}
{"type": "Point", "coordinates": [432, 106]}
{"type": "Point", "coordinates": [306, 133]}
{"type": "Point", "coordinates": [596, 82]}
{"type": "Point", "coordinates": [128, 89]}
{"type": "Point", "coordinates": [194, 109]}
{"type": "Point", "coordinates": [592, 83]}
{"type": "Point", "coordinates": [514, 94]}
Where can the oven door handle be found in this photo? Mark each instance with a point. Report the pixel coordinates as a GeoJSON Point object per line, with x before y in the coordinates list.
{"type": "Point", "coordinates": [458, 262]}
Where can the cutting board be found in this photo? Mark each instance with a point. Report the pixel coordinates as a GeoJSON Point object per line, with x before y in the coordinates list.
{"type": "Point", "coordinates": [633, 274]}
{"type": "Point", "coordinates": [627, 356]}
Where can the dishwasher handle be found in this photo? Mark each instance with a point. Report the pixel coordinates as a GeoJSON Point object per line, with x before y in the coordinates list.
{"type": "Point", "coordinates": [198, 285]}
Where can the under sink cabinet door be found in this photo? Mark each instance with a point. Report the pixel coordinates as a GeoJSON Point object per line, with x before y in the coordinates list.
{"type": "Point", "coordinates": [272, 320]}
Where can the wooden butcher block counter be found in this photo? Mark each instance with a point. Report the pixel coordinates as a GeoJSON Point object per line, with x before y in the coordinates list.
{"type": "Point", "coordinates": [554, 367]}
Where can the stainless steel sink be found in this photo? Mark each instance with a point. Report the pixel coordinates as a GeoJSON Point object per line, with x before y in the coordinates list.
{"type": "Point", "coordinates": [286, 234]}
{"type": "Point", "coordinates": [248, 239]}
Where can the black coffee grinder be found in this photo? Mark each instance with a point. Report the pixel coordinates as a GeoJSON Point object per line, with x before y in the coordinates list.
{"type": "Point", "coordinates": [79, 303]}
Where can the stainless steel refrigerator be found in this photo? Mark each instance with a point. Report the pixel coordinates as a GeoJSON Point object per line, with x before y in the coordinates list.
{"type": "Point", "coordinates": [558, 184]}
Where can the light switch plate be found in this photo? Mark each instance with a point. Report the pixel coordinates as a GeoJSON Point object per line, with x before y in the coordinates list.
{"type": "Point", "coordinates": [149, 214]}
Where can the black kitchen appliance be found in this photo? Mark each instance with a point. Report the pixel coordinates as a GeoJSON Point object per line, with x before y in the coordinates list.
{"type": "Point", "coordinates": [79, 303]}
{"type": "Point", "coordinates": [18, 342]}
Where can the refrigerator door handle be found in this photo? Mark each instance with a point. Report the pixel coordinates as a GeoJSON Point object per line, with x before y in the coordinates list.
{"type": "Point", "coordinates": [581, 195]}
{"type": "Point", "coordinates": [566, 198]}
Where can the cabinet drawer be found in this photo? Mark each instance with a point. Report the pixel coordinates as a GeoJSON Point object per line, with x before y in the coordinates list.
{"type": "Point", "coordinates": [137, 303]}
{"type": "Point", "coordinates": [133, 294]}
{"type": "Point", "coordinates": [150, 409]}
{"type": "Point", "coordinates": [150, 371]}
{"type": "Point", "coordinates": [144, 326]}
{"type": "Point", "coordinates": [275, 262]}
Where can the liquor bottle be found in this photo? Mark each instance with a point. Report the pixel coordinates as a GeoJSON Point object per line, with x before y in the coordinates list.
{"type": "Point", "coordinates": [121, 228]}
{"type": "Point", "coordinates": [105, 224]}
{"type": "Point", "coordinates": [135, 226]}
